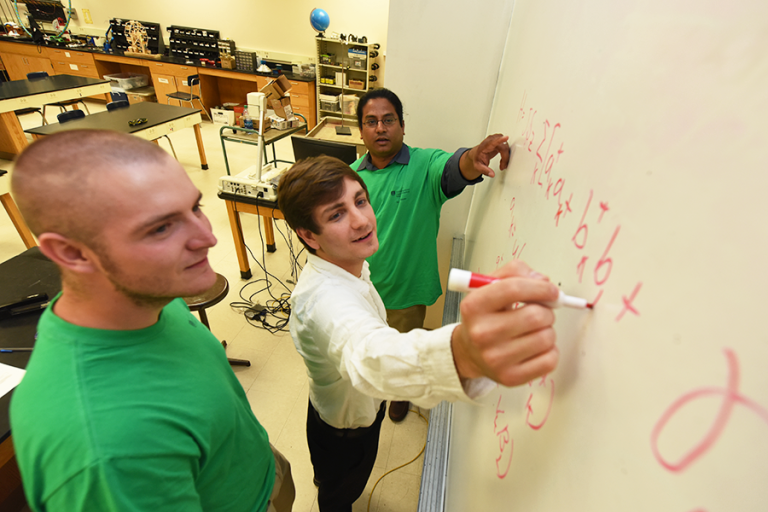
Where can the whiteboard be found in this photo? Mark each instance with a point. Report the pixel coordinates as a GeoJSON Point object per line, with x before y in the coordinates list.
{"type": "Point", "coordinates": [638, 181]}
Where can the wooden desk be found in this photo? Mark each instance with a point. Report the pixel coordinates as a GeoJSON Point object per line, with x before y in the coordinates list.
{"type": "Point", "coordinates": [326, 130]}
{"type": "Point", "coordinates": [28, 273]}
{"type": "Point", "coordinates": [20, 94]}
{"type": "Point", "coordinates": [161, 120]}
{"type": "Point", "coordinates": [18, 221]}
{"type": "Point", "coordinates": [267, 209]}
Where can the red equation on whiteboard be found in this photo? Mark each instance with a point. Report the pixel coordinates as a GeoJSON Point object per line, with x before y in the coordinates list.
{"type": "Point", "coordinates": [730, 398]}
{"type": "Point", "coordinates": [536, 419]}
{"type": "Point", "coordinates": [544, 140]}
{"type": "Point", "coordinates": [504, 460]}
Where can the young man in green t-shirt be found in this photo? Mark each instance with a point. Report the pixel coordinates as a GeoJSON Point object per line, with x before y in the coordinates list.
{"type": "Point", "coordinates": [408, 188]}
{"type": "Point", "coordinates": [128, 402]}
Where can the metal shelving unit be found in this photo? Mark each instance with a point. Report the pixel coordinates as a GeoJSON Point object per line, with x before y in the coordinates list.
{"type": "Point", "coordinates": [352, 62]}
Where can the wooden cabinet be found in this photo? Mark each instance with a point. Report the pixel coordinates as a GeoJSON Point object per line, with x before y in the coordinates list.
{"type": "Point", "coordinates": [17, 66]}
{"type": "Point", "coordinates": [21, 59]}
{"type": "Point", "coordinates": [68, 68]}
{"type": "Point", "coordinates": [69, 56]}
{"type": "Point", "coordinates": [303, 100]}
{"type": "Point", "coordinates": [169, 78]}
{"type": "Point", "coordinates": [164, 85]}
{"type": "Point", "coordinates": [67, 62]}
{"type": "Point", "coordinates": [218, 85]}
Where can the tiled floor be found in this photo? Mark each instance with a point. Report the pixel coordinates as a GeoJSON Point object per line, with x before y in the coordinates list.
{"type": "Point", "coordinates": [276, 381]}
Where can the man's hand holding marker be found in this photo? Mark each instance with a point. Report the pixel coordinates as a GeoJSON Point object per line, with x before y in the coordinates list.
{"type": "Point", "coordinates": [509, 346]}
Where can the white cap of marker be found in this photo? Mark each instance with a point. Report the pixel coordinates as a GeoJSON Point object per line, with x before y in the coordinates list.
{"type": "Point", "coordinates": [463, 281]}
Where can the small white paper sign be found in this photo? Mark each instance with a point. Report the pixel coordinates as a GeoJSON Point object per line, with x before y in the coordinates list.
{"type": "Point", "coordinates": [10, 376]}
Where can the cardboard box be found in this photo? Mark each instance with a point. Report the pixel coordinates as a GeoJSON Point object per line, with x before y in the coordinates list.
{"type": "Point", "coordinates": [282, 107]}
{"type": "Point", "coordinates": [228, 62]}
{"type": "Point", "coordinates": [356, 84]}
{"type": "Point", "coordinates": [221, 116]}
{"type": "Point", "coordinates": [278, 123]}
{"type": "Point", "coordinates": [276, 89]}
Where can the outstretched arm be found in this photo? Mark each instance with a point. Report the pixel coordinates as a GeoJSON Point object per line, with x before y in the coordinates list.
{"type": "Point", "coordinates": [474, 162]}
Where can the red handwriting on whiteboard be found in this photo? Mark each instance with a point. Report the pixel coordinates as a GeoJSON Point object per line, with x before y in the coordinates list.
{"type": "Point", "coordinates": [504, 460]}
{"type": "Point", "coordinates": [543, 141]}
{"type": "Point", "coordinates": [604, 207]}
{"type": "Point", "coordinates": [530, 412]}
{"type": "Point", "coordinates": [512, 226]}
{"type": "Point", "coordinates": [628, 306]}
{"type": "Point", "coordinates": [730, 398]}
{"type": "Point", "coordinates": [604, 265]}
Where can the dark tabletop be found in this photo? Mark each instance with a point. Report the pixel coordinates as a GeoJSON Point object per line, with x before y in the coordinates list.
{"type": "Point", "coordinates": [23, 275]}
{"type": "Point", "coordinates": [21, 88]}
{"type": "Point", "coordinates": [248, 200]}
{"type": "Point", "coordinates": [117, 120]}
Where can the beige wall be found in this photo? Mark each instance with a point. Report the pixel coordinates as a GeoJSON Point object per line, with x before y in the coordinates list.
{"type": "Point", "coordinates": [439, 50]}
{"type": "Point", "coordinates": [279, 26]}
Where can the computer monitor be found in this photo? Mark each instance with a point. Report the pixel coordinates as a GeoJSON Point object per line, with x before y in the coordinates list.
{"type": "Point", "coordinates": [306, 147]}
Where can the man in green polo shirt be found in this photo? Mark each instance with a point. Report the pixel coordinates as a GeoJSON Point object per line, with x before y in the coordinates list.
{"type": "Point", "coordinates": [408, 187]}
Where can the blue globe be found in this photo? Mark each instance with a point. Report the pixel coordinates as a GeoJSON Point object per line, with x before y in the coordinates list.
{"type": "Point", "coordinates": [319, 19]}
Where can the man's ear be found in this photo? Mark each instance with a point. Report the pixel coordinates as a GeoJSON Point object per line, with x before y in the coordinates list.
{"type": "Point", "coordinates": [308, 237]}
{"type": "Point", "coordinates": [67, 253]}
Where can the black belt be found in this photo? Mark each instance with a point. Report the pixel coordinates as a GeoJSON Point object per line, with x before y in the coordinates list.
{"type": "Point", "coordinates": [349, 433]}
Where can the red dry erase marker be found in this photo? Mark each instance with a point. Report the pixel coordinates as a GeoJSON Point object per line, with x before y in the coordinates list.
{"type": "Point", "coordinates": [463, 281]}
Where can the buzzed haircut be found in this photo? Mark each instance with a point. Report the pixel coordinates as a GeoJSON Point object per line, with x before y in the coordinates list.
{"type": "Point", "coordinates": [51, 178]}
{"type": "Point", "coordinates": [379, 93]}
{"type": "Point", "coordinates": [310, 183]}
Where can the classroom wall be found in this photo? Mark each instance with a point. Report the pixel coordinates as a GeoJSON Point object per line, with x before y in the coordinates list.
{"type": "Point", "coordinates": [637, 183]}
{"type": "Point", "coordinates": [254, 24]}
{"type": "Point", "coordinates": [442, 61]}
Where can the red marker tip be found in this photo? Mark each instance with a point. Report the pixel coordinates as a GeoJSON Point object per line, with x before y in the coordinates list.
{"type": "Point", "coordinates": [590, 305]}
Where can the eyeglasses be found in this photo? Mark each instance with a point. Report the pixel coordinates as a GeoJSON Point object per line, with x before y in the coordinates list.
{"type": "Point", "coordinates": [137, 122]}
{"type": "Point", "coordinates": [373, 123]}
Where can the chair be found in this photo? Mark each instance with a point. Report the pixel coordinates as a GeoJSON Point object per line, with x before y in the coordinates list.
{"type": "Point", "coordinates": [117, 96]}
{"type": "Point", "coordinates": [188, 97]}
{"type": "Point", "coordinates": [30, 110]}
{"type": "Point", "coordinates": [208, 298]}
{"type": "Point", "coordinates": [36, 75]}
{"type": "Point", "coordinates": [69, 115]}
{"type": "Point", "coordinates": [113, 105]}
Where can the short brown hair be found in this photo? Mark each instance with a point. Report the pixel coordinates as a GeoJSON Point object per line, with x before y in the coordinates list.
{"type": "Point", "coordinates": [310, 183]}
{"type": "Point", "coordinates": [53, 179]}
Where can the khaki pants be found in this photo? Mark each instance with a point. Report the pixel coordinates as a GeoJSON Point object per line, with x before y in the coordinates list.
{"type": "Point", "coordinates": [284, 491]}
{"type": "Point", "coordinates": [407, 319]}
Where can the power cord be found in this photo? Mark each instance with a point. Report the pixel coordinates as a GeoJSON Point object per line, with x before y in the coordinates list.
{"type": "Point", "coordinates": [272, 316]}
{"type": "Point", "coordinates": [426, 421]}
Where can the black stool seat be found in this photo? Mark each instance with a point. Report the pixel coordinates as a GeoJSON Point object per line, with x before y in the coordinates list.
{"type": "Point", "coordinates": [208, 298]}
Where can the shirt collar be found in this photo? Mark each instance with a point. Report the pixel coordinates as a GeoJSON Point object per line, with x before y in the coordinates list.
{"type": "Point", "coordinates": [402, 157]}
{"type": "Point", "coordinates": [326, 267]}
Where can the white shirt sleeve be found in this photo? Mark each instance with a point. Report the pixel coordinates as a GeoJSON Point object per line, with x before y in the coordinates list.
{"type": "Point", "coordinates": [378, 360]}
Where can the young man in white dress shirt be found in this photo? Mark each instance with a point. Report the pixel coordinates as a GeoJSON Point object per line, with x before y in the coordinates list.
{"type": "Point", "coordinates": [355, 361]}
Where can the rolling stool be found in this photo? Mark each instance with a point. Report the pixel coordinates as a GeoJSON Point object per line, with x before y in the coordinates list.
{"type": "Point", "coordinates": [208, 298]}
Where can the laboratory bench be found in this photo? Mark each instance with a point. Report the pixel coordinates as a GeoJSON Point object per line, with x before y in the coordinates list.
{"type": "Point", "coordinates": [168, 74]}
